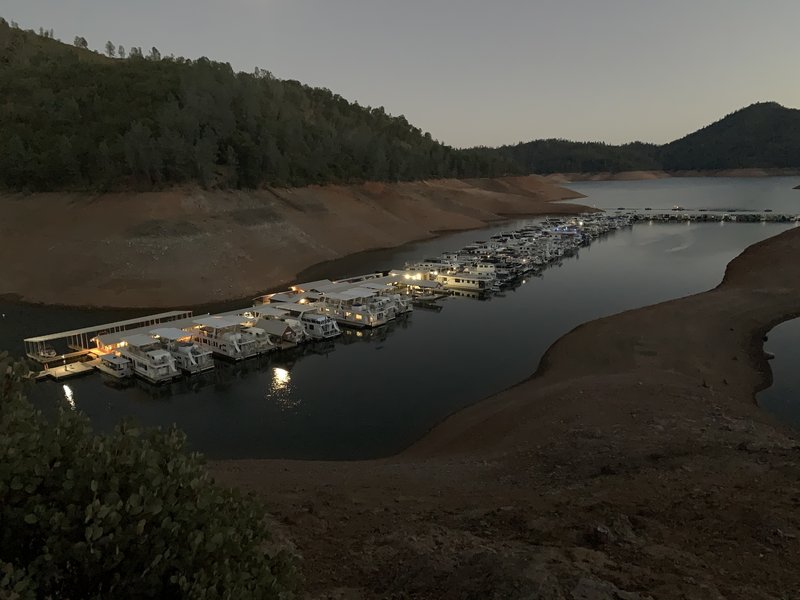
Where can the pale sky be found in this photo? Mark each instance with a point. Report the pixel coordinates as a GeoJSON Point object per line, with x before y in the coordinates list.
{"type": "Point", "coordinates": [480, 71]}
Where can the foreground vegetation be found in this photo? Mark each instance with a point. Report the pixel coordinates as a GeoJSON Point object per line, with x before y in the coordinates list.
{"type": "Point", "coordinates": [129, 515]}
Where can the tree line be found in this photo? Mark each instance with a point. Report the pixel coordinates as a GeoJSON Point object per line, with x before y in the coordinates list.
{"type": "Point", "coordinates": [762, 135]}
{"type": "Point", "coordinates": [75, 119]}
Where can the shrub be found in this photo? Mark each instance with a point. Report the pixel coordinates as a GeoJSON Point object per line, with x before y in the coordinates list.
{"type": "Point", "coordinates": [127, 515]}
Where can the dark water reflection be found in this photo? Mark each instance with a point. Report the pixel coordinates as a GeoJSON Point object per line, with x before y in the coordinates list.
{"type": "Point", "coordinates": [783, 398]}
{"type": "Point", "coordinates": [371, 395]}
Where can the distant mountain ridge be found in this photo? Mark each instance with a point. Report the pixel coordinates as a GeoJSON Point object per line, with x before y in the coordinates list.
{"type": "Point", "coordinates": [762, 135]}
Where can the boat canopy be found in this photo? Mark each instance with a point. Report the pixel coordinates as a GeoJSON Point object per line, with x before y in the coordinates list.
{"type": "Point", "coordinates": [219, 322]}
{"type": "Point", "coordinates": [115, 360]}
{"type": "Point", "coordinates": [171, 333]}
{"type": "Point", "coordinates": [351, 294]}
{"type": "Point", "coordinates": [273, 326]}
{"type": "Point", "coordinates": [138, 340]}
{"type": "Point", "coordinates": [310, 286]}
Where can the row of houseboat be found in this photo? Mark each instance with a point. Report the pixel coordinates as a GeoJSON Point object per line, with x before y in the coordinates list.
{"type": "Point", "coordinates": [162, 347]}
{"type": "Point", "coordinates": [306, 312]}
{"type": "Point", "coordinates": [488, 266]}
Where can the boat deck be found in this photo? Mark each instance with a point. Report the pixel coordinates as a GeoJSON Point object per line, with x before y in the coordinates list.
{"type": "Point", "coordinates": [67, 371]}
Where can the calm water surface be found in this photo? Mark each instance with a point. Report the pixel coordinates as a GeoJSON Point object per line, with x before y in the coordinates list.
{"type": "Point", "coordinates": [783, 398]}
{"type": "Point", "coordinates": [373, 394]}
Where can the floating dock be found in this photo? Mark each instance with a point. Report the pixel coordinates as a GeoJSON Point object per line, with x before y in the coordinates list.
{"type": "Point", "coordinates": [80, 340]}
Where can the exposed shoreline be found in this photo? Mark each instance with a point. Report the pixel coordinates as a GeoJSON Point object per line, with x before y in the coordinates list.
{"type": "Point", "coordinates": [195, 248]}
{"type": "Point", "coordinates": [657, 174]}
{"type": "Point", "coordinates": [643, 466]}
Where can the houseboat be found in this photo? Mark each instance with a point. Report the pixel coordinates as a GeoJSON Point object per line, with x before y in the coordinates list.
{"type": "Point", "coordinates": [117, 366]}
{"type": "Point", "coordinates": [223, 336]}
{"type": "Point", "coordinates": [150, 360]}
{"type": "Point", "coordinates": [466, 281]}
{"type": "Point", "coordinates": [356, 307]}
{"type": "Point", "coordinates": [317, 326]}
{"type": "Point", "coordinates": [189, 356]}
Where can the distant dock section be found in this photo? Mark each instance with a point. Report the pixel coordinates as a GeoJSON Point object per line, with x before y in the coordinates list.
{"type": "Point", "coordinates": [703, 215]}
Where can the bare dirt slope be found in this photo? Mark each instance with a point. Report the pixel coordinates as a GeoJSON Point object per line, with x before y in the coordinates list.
{"type": "Point", "coordinates": [634, 464]}
{"type": "Point", "coordinates": [188, 247]}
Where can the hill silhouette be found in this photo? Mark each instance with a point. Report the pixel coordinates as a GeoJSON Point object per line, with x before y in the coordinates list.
{"type": "Point", "coordinates": [75, 119]}
{"type": "Point", "coordinates": [762, 135]}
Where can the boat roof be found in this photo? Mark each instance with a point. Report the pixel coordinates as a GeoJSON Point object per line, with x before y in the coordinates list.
{"type": "Point", "coordinates": [351, 294]}
{"type": "Point", "coordinates": [308, 286]}
{"type": "Point", "coordinates": [111, 339]}
{"type": "Point", "coordinates": [381, 287]}
{"type": "Point", "coordinates": [273, 326]}
{"type": "Point", "coordinates": [173, 314]}
{"type": "Point", "coordinates": [114, 359]}
{"type": "Point", "coordinates": [264, 309]}
{"type": "Point", "coordinates": [422, 283]}
{"type": "Point", "coordinates": [219, 321]}
{"type": "Point", "coordinates": [291, 307]}
{"type": "Point", "coordinates": [170, 333]}
{"type": "Point", "coordinates": [139, 339]}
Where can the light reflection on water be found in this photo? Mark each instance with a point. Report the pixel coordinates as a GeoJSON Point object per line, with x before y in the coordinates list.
{"type": "Point", "coordinates": [69, 396]}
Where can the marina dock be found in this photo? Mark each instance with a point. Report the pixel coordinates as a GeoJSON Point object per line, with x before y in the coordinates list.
{"type": "Point", "coordinates": [163, 346]}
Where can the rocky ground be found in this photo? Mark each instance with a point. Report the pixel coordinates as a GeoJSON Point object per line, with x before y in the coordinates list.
{"type": "Point", "coordinates": [634, 464]}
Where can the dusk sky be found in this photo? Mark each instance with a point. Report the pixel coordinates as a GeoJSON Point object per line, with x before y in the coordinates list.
{"type": "Point", "coordinates": [476, 72]}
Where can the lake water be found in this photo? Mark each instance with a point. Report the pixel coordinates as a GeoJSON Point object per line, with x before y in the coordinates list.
{"type": "Point", "coordinates": [373, 394]}
{"type": "Point", "coordinates": [783, 398]}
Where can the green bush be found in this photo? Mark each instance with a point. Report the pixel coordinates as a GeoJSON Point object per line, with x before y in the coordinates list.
{"type": "Point", "coordinates": [128, 515]}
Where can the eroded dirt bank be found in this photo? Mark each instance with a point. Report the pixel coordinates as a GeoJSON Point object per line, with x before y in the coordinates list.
{"type": "Point", "coordinates": [192, 247]}
{"type": "Point", "coordinates": [635, 464]}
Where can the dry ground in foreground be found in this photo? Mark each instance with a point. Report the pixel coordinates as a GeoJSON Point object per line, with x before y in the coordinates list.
{"type": "Point", "coordinates": [634, 464]}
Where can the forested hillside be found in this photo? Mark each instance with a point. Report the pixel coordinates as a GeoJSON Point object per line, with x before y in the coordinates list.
{"type": "Point", "coordinates": [75, 119]}
{"type": "Point", "coordinates": [562, 156]}
{"type": "Point", "coordinates": [762, 135]}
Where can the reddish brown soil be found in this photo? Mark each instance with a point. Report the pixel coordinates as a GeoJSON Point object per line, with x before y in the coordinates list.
{"type": "Point", "coordinates": [634, 464]}
{"type": "Point", "coordinates": [190, 247]}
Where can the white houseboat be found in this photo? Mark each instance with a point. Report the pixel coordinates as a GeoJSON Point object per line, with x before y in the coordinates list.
{"type": "Point", "coordinates": [150, 360]}
{"type": "Point", "coordinates": [115, 365]}
{"type": "Point", "coordinates": [223, 336]}
{"type": "Point", "coordinates": [466, 281]}
{"type": "Point", "coordinates": [189, 356]}
{"type": "Point", "coordinates": [317, 326]}
{"type": "Point", "coordinates": [356, 307]}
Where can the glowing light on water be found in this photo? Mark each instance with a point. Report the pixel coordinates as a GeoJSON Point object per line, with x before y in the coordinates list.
{"type": "Point", "coordinates": [280, 378]}
{"type": "Point", "coordinates": [69, 396]}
